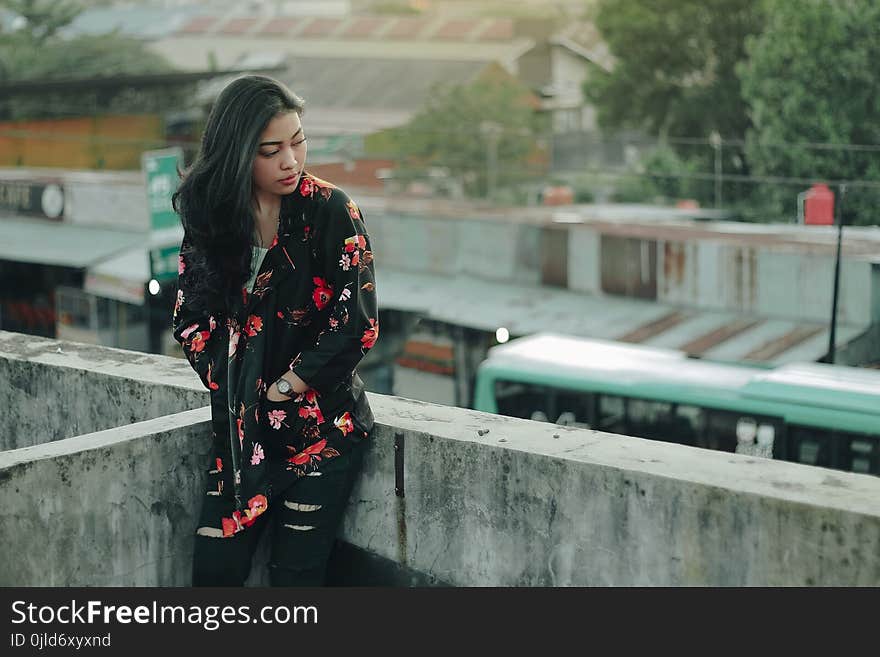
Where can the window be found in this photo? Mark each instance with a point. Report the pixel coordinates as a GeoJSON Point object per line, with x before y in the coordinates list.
{"type": "Point", "coordinates": [544, 403]}
{"type": "Point", "coordinates": [612, 414]}
{"type": "Point", "coordinates": [732, 431]}
{"type": "Point", "coordinates": [835, 449]}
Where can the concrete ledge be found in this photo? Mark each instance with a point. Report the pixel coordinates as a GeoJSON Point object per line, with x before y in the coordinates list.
{"type": "Point", "coordinates": [56, 389]}
{"type": "Point", "coordinates": [111, 508]}
{"type": "Point", "coordinates": [535, 504]}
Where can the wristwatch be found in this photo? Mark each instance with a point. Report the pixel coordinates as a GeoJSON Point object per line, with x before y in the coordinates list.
{"type": "Point", "coordinates": [284, 387]}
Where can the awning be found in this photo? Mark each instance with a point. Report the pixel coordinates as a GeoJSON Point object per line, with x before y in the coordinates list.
{"type": "Point", "coordinates": [124, 276]}
{"type": "Point", "coordinates": [57, 243]}
{"type": "Point", "coordinates": [524, 310]}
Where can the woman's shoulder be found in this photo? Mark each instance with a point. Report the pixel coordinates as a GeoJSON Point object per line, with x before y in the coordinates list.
{"type": "Point", "coordinates": [325, 192]}
{"type": "Point", "coordinates": [321, 190]}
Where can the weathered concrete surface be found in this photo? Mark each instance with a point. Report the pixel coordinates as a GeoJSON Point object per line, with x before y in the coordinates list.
{"type": "Point", "coordinates": [55, 389]}
{"type": "Point", "coordinates": [536, 504]}
{"type": "Point", "coordinates": [111, 508]}
{"type": "Point", "coordinates": [488, 501]}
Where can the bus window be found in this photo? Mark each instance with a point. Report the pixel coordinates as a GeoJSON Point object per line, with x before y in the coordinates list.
{"type": "Point", "coordinates": [720, 431]}
{"type": "Point", "coordinates": [810, 445]}
{"type": "Point", "coordinates": [524, 400]}
{"type": "Point", "coordinates": [544, 404]}
{"type": "Point", "coordinates": [574, 409]}
{"type": "Point", "coordinates": [858, 453]}
{"type": "Point", "coordinates": [688, 423]}
{"type": "Point", "coordinates": [650, 419]}
{"type": "Point", "coordinates": [612, 414]}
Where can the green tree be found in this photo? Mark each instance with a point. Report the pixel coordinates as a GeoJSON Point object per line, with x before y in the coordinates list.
{"type": "Point", "coordinates": [42, 18]}
{"type": "Point", "coordinates": [35, 50]}
{"type": "Point", "coordinates": [811, 77]}
{"type": "Point", "coordinates": [456, 130]}
{"type": "Point", "coordinates": [674, 65]}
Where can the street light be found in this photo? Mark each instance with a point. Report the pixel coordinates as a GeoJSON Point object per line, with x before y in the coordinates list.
{"type": "Point", "coordinates": [716, 142]}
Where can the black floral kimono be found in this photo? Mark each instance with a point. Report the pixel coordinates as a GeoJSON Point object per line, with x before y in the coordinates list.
{"type": "Point", "coordinates": [312, 310]}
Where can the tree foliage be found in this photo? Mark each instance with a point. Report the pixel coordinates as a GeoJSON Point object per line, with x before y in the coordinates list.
{"type": "Point", "coordinates": [674, 69]}
{"type": "Point", "coordinates": [35, 50]}
{"type": "Point", "coordinates": [42, 18]}
{"type": "Point", "coordinates": [454, 131]}
{"type": "Point", "coordinates": [811, 77]}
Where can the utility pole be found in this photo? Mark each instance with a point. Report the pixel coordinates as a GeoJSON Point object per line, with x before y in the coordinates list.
{"type": "Point", "coordinates": [832, 333]}
{"type": "Point", "coordinates": [716, 142]}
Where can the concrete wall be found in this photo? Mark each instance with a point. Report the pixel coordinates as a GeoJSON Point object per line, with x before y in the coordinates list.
{"type": "Point", "coordinates": [767, 280]}
{"type": "Point", "coordinates": [55, 390]}
{"type": "Point", "coordinates": [488, 501]}
{"type": "Point", "coordinates": [485, 249]}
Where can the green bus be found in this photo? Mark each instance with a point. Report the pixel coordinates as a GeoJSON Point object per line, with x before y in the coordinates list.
{"type": "Point", "coordinates": [824, 415]}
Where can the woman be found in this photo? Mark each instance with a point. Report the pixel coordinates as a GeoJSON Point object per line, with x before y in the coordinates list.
{"type": "Point", "coordinates": [276, 305]}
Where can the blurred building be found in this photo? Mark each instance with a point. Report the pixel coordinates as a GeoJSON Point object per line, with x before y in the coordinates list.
{"type": "Point", "coordinates": [76, 247]}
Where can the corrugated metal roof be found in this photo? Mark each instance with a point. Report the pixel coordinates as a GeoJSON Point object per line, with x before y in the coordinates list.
{"type": "Point", "coordinates": [525, 310]}
{"type": "Point", "coordinates": [368, 84]}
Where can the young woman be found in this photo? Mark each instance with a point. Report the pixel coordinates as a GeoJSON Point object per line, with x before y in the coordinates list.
{"type": "Point", "coordinates": [276, 305]}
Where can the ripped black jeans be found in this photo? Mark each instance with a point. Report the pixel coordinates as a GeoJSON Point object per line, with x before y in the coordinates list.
{"type": "Point", "coordinates": [303, 524]}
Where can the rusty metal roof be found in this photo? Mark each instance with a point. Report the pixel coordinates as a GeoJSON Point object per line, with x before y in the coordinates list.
{"type": "Point", "coordinates": [525, 310]}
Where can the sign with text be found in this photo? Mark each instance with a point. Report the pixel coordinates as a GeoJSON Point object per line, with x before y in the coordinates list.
{"type": "Point", "coordinates": [39, 199]}
{"type": "Point", "coordinates": [160, 171]}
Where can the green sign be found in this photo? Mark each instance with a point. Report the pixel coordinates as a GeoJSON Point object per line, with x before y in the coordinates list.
{"type": "Point", "coordinates": [160, 171]}
{"type": "Point", "coordinates": [163, 262]}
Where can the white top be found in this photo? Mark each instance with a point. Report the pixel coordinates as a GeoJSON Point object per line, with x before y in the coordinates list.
{"type": "Point", "coordinates": [259, 254]}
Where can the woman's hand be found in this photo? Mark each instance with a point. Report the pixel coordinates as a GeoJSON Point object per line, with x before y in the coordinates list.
{"type": "Point", "coordinates": [299, 387]}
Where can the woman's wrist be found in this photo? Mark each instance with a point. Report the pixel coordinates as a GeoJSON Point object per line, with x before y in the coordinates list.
{"type": "Point", "coordinates": [299, 386]}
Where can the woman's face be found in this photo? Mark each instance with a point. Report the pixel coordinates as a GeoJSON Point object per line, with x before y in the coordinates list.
{"type": "Point", "coordinates": [280, 156]}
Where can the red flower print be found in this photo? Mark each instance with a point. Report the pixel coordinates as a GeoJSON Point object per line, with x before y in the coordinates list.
{"type": "Point", "coordinates": [322, 293]}
{"type": "Point", "coordinates": [353, 211]}
{"type": "Point", "coordinates": [212, 384]}
{"type": "Point", "coordinates": [212, 323]}
{"type": "Point", "coordinates": [219, 464]}
{"type": "Point", "coordinates": [344, 423]}
{"type": "Point", "coordinates": [240, 424]}
{"type": "Point", "coordinates": [368, 287]}
{"type": "Point", "coordinates": [310, 407]}
{"type": "Point", "coordinates": [253, 325]}
{"type": "Point", "coordinates": [312, 451]}
{"type": "Point", "coordinates": [355, 242]}
{"type": "Point", "coordinates": [181, 265]}
{"type": "Point", "coordinates": [256, 505]}
{"type": "Point", "coordinates": [231, 525]}
{"type": "Point", "coordinates": [306, 187]}
{"type": "Point", "coordinates": [276, 418]}
{"type": "Point", "coordinates": [274, 242]}
{"type": "Point", "coordinates": [198, 341]}
{"type": "Point", "coordinates": [371, 334]}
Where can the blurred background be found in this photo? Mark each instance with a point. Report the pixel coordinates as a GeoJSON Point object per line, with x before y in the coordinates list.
{"type": "Point", "coordinates": [701, 176]}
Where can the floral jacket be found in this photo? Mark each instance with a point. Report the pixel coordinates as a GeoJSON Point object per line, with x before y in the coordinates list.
{"type": "Point", "coordinates": [312, 310]}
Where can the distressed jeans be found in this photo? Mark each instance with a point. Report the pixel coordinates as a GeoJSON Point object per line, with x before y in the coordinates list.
{"type": "Point", "coordinates": [303, 523]}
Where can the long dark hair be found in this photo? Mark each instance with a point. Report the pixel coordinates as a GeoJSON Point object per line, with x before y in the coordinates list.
{"type": "Point", "coordinates": [215, 197]}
